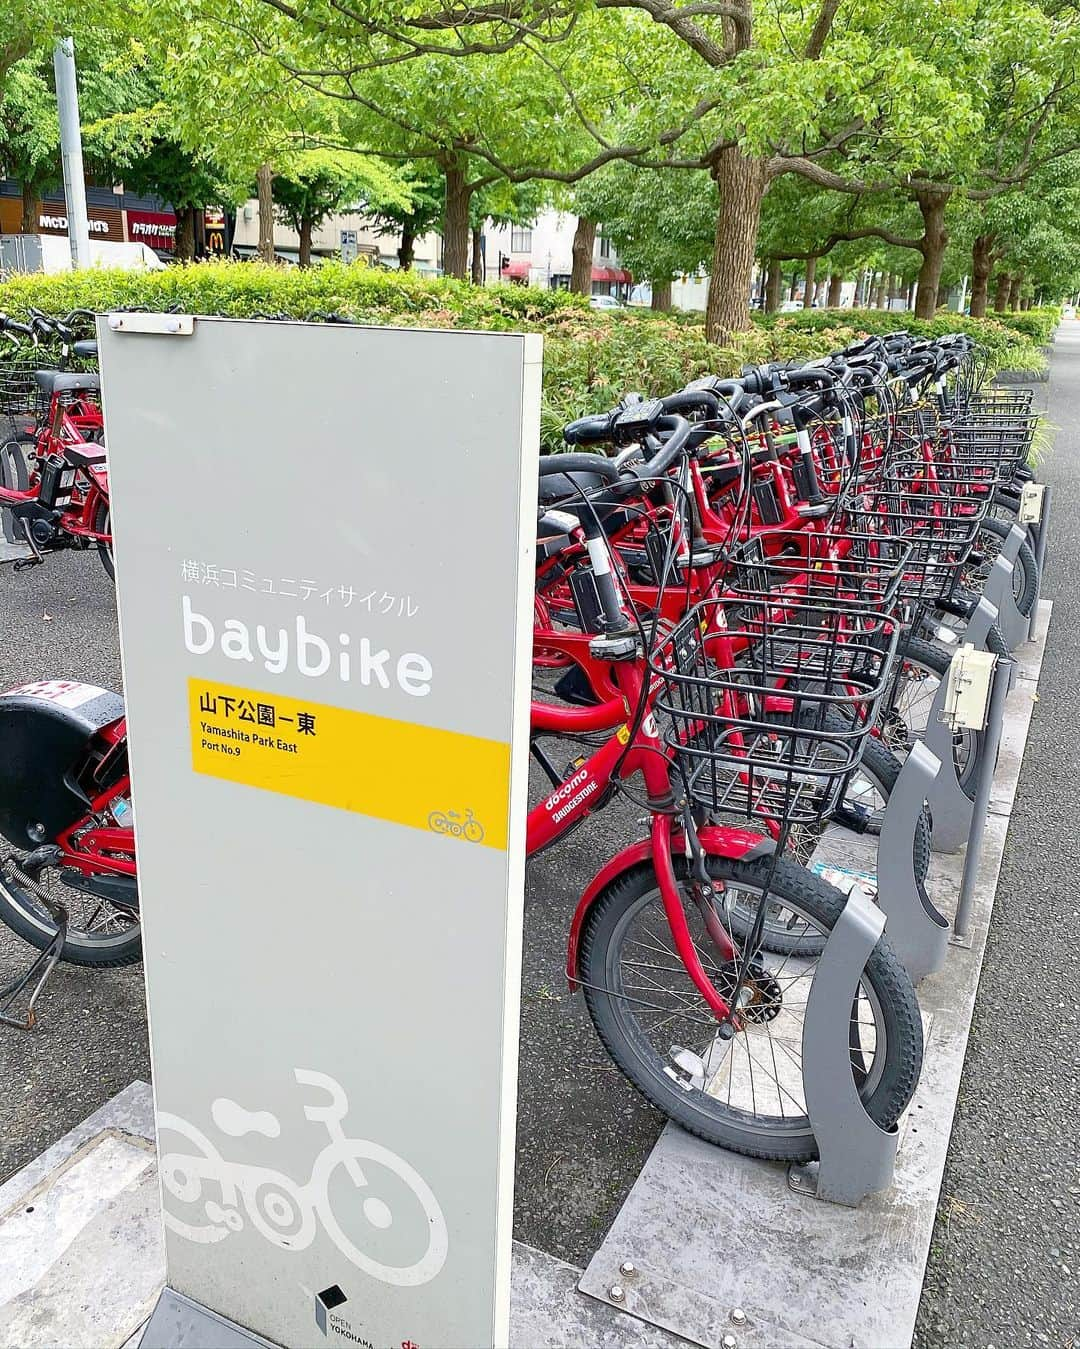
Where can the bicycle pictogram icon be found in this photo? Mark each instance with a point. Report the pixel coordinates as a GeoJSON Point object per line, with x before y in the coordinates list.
{"type": "Point", "coordinates": [456, 825]}
{"type": "Point", "coordinates": [289, 1213]}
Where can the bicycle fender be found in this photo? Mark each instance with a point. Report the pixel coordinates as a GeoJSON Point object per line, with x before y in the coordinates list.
{"type": "Point", "coordinates": [717, 840]}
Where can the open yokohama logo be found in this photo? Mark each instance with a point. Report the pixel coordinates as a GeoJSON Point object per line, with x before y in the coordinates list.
{"type": "Point", "coordinates": [209, 1198]}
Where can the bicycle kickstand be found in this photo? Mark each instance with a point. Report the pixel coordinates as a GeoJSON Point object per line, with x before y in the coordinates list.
{"type": "Point", "coordinates": [40, 968]}
{"type": "Point", "coordinates": [36, 558]}
{"type": "Point", "coordinates": [43, 964]}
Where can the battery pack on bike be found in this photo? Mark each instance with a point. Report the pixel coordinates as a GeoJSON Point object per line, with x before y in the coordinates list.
{"type": "Point", "coordinates": [57, 479]}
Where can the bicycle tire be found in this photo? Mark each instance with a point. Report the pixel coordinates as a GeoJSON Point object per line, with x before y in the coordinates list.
{"type": "Point", "coordinates": [103, 525]}
{"type": "Point", "coordinates": [882, 768]}
{"type": "Point", "coordinates": [1026, 569]}
{"type": "Point", "coordinates": [885, 1092]}
{"type": "Point", "coordinates": [25, 919]}
{"type": "Point", "coordinates": [936, 659]}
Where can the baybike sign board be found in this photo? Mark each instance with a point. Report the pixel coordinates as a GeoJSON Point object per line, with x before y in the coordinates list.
{"type": "Point", "coordinates": [324, 540]}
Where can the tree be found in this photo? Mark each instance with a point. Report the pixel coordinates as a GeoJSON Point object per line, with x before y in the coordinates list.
{"type": "Point", "coordinates": [30, 135]}
{"type": "Point", "coordinates": [319, 182]}
{"type": "Point", "coordinates": [415, 214]}
{"type": "Point", "coordinates": [138, 147]}
{"type": "Point", "coordinates": [660, 223]}
{"type": "Point", "coordinates": [32, 26]}
{"type": "Point", "coordinates": [350, 83]}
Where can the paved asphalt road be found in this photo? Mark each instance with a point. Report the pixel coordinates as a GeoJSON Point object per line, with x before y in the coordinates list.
{"type": "Point", "coordinates": [1003, 1268]}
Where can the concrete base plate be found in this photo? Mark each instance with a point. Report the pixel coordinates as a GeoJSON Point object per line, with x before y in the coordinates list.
{"type": "Point", "coordinates": [708, 1232]}
{"type": "Point", "coordinates": [81, 1257]}
{"type": "Point", "coordinates": [82, 1261]}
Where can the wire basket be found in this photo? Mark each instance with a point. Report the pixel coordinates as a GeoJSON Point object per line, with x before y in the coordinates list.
{"type": "Point", "coordinates": [1005, 402]}
{"type": "Point", "coordinates": [991, 448]}
{"type": "Point", "coordinates": [766, 710]}
{"type": "Point", "coordinates": [18, 391]}
{"type": "Point", "coordinates": [862, 572]}
{"type": "Point", "coordinates": [939, 524]}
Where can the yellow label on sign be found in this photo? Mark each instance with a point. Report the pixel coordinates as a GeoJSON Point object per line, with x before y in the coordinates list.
{"type": "Point", "coordinates": [441, 781]}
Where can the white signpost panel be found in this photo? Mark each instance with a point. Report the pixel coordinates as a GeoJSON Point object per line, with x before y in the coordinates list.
{"type": "Point", "coordinates": [324, 542]}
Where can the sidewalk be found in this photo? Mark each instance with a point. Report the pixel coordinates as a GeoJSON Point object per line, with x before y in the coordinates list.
{"type": "Point", "coordinates": [1004, 1265]}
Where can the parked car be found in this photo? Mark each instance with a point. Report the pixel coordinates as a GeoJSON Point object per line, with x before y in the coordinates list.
{"type": "Point", "coordinates": [605, 302]}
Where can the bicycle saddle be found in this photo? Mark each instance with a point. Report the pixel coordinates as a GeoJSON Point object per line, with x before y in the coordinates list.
{"type": "Point", "coordinates": [85, 456]}
{"type": "Point", "coordinates": [60, 381]}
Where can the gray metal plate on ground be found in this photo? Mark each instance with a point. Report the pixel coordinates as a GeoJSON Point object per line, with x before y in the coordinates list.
{"type": "Point", "coordinates": [179, 1323]}
{"type": "Point", "coordinates": [707, 1231]}
{"type": "Point", "coordinates": [126, 1275]}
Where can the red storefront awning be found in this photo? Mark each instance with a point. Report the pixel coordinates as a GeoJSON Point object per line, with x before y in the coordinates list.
{"type": "Point", "coordinates": [516, 270]}
{"type": "Point", "coordinates": [611, 274]}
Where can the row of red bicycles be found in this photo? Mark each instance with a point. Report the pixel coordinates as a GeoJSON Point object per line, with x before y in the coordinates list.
{"type": "Point", "coordinates": [54, 484]}
{"type": "Point", "coordinates": [747, 594]}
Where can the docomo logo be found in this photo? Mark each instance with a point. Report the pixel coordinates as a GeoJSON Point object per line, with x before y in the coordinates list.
{"type": "Point", "coordinates": [410, 671]}
{"type": "Point", "coordinates": [567, 789]}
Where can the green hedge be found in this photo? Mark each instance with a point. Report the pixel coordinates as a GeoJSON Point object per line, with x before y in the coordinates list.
{"type": "Point", "coordinates": [592, 357]}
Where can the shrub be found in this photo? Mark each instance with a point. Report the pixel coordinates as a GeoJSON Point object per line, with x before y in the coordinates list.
{"type": "Point", "coordinates": [591, 357]}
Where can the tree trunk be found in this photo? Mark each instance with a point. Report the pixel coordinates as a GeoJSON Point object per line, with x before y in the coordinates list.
{"type": "Point", "coordinates": [184, 249]}
{"type": "Point", "coordinates": [773, 282]}
{"type": "Point", "coordinates": [982, 261]}
{"type": "Point", "coordinates": [741, 181]}
{"type": "Point", "coordinates": [808, 290]}
{"type": "Point", "coordinates": [305, 241]}
{"type": "Point", "coordinates": [793, 288]}
{"type": "Point", "coordinates": [836, 281]}
{"type": "Point", "coordinates": [407, 248]}
{"type": "Point", "coordinates": [582, 256]}
{"type": "Point", "coordinates": [877, 293]}
{"type": "Point", "coordinates": [1014, 291]}
{"type": "Point", "coordinates": [661, 295]}
{"type": "Point", "coordinates": [456, 221]}
{"type": "Point", "coordinates": [31, 207]}
{"type": "Point", "coordinates": [932, 246]}
{"type": "Point", "coordinates": [895, 283]}
{"type": "Point", "coordinates": [1001, 294]}
{"type": "Point", "coordinates": [477, 255]}
{"type": "Point", "coordinates": [265, 179]}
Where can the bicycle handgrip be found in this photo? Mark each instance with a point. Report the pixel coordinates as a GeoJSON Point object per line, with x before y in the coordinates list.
{"type": "Point", "coordinates": [692, 400]}
{"type": "Point", "coordinates": [578, 463]}
{"type": "Point", "coordinates": [594, 430]}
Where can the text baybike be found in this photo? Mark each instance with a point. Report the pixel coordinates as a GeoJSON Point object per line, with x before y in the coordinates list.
{"type": "Point", "coordinates": [348, 658]}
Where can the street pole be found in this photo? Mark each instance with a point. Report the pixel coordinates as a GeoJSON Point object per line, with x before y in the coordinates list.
{"type": "Point", "coordinates": [67, 102]}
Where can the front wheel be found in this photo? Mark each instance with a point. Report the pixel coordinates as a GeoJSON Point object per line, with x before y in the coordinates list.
{"type": "Point", "coordinates": [745, 1093]}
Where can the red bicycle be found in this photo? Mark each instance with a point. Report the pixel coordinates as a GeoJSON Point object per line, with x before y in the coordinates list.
{"type": "Point", "coordinates": [53, 476]}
